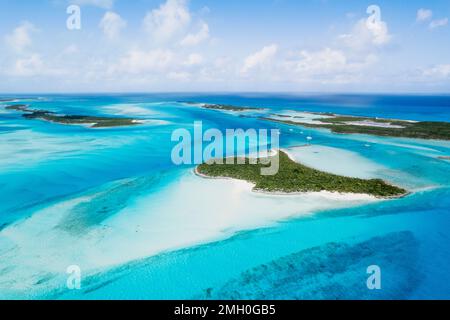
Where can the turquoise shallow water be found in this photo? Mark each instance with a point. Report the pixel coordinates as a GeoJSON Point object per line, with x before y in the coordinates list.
{"type": "Point", "coordinates": [323, 255]}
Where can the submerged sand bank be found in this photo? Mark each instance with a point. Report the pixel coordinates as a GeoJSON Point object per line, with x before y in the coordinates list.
{"type": "Point", "coordinates": [189, 211]}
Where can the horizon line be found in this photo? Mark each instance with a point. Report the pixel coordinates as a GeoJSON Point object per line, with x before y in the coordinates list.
{"type": "Point", "coordinates": [293, 93]}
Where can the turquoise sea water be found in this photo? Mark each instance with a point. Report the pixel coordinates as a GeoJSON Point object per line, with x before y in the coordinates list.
{"type": "Point", "coordinates": [66, 190]}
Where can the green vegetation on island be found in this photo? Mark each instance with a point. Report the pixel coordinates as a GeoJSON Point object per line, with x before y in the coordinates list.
{"type": "Point", "coordinates": [93, 121]}
{"type": "Point", "coordinates": [225, 107]}
{"type": "Point", "coordinates": [353, 124]}
{"type": "Point", "coordinates": [293, 177]}
{"type": "Point", "coordinates": [378, 127]}
{"type": "Point", "coordinates": [19, 107]}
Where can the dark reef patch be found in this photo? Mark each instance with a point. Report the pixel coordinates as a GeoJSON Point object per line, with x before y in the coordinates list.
{"type": "Point", "coordinates": [333, 271]}
{"type": "Point", "coordinates": [104, 204]}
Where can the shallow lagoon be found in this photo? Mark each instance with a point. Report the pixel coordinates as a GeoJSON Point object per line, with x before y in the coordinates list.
{"type": "Point", "coordinates": [118, 189]}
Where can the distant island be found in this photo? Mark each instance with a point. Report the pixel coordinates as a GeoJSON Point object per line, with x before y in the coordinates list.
{"type": "Point", "coordinates": [293, 177]}
{"type": "Point", "coordinates": [226, 107]}
{"type": "Point", "coordinates": [222, 107]}
{"type": "Point", "coordinates": [92, 121]}
{"type": "Point", "coordinates": [16, 99]}
{"type": "Point", "coordinates": [349, 124]}
{"type": "Point", "coordinates": [374, 126]}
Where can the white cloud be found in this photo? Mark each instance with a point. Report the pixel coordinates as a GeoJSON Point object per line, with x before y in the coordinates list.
{"type": "Point", "coordinates": [105, 4]}
{"type": "Point", "coordinates": [138, 62]}
{"type": "Point", "coordinates": [179, 76]}
{"type": "Point", "coordinates": [221, 69]}
{"type": "Point", "coordinates": [194, 59]}
{"type": "Point", "coordinates": [193, 39]}
{"type": "Point", "coordinates": [156, 66]}
{"type": "Point", "coordinates": [320, 62]}
{"type": "Point", "coordinates": [380, 33]}
{"type": "Point", "coordinates": [424, 15]}
{"type": "Point", "coordinates": [170, 19]}
{"type": "Point", "coordinates": [112, 24]}
{"type": "Point", "coordinates": [71, 49]}
{"type": "Point", "coordinates": [441, 71]}
{"type": "Point", "coordinates": [260, 58]}
{"type": "Point", "coordinates": [326, 66]}
{"type": "Point", "coordinates": [367, 34]}
{"type": "Point", "coordinates": [31, 66]}
{"type": "Point", "coordinates": [438, 23]}
{"type": "Point", "coordinates": [20, 39]}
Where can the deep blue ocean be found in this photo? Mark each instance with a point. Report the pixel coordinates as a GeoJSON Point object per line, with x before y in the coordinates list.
{"type": "Point", "coordinates": [106, 200]}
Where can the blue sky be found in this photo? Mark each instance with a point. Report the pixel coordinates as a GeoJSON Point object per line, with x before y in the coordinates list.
{"type": "Point", "coordinates": [206, 45]}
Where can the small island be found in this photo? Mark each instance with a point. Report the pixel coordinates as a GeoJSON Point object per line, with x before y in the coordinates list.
{"type": "Point", "coordinates": [371, 126]}
{"type": "Point", "coordinates": [293, 177]}
{"type": "Point", "coordinates": [19, 107]}
{"type": "Point", "coordinates": [225, 107]}
{"type": "Point", "coordinates": [431, 130]}
{"type": "Point", "coordinates": [91, 121]}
